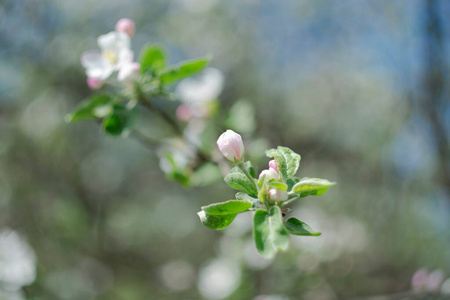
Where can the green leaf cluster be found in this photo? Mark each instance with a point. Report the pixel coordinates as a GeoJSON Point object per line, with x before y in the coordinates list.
{"type": "Point", "coordinates": [270, 229]}
{"type": "Point", "coordinates": [116, 118]}
{"type": "Point", "coordinates": [154, 63]}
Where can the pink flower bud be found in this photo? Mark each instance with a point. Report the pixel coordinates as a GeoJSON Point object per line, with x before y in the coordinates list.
{"type": "Point", "coordinates": [127, 26]}
{"type": "Point", "coordinates": [184, 113]}
{"type": "Point", "coordinates": [94, 83]}
{"type": "Point", "coordinates": [231, 145]}
{"type": "Point", "coordinates": [270, 174]}
{"type": "Point", "coordinates": [277, 195]}
{"type": "Point", "coordinates": [273, 164]}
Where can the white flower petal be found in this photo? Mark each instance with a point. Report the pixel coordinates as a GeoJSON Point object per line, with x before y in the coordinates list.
{"type": "Point", "coordinates": [205, 87]}
{"type": "Point", "coordinates": [96, 65]}
{"type": "Point", "coordinates": [114, 41]}
{"type": "Point", "coordinates": [91, 59]}
{"type": "Point", "coordinates": [124, 57]}
{"type": "Point", "coordinates": [101, 73]}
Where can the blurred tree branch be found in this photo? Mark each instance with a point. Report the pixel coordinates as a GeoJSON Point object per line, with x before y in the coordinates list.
{"type": "Point", "coordinates": [434, 86]}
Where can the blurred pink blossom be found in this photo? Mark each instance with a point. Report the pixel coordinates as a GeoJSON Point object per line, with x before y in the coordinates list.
{"type": "Point", "coordinates": [127, 26]}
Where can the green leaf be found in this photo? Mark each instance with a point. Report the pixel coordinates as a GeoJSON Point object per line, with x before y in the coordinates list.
{"type": "Point", "coordinates": [175, 172]}
{"type": "Point", "coordinates": [297, 227]}
{"type": "Point", "coordinates": [288, 161]}
{"type": "Point", "coordinates": [312, 186]}
{"type": "Point", "coordinates": [153, 58]}
{"type": "Point", "coordinates": [121, 119]}
{"type": "Point", "coordinates": [278, 185]}
{"type": "Point", "coordinates": [291, 182]}
{"type": "Point", "coordinates": [215, 222]}
{"type": "Point", "coordinates": [97, 106]}
{"type": "Point", "coordinates": [227, 208]}
{"type": "Point", "coordinates": [245, 197]}
{"type": "Point", "coordinates": [239, 181]}
{"type": "Point", "coordinates": [269, 232]}
{"type": "Point", "coordinates": [186, 69]}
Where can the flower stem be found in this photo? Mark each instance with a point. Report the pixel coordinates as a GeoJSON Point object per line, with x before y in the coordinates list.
{"type": "Point", "coordinates": [289, 201]}
{"type": "Point", "coordinates": [202, 157]}
{"type": "Point", "coordinates": [241, 166]}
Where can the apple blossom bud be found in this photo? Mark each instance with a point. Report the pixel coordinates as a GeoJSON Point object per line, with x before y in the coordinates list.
{"type": "Point", "coordinates": [231, 145]}
{"type": "Point", "coordinates": [277, 195]}
{"type": "Point", "coordinates": [129, 72]}
{"type": "Point", "coordinates": [94, 83]}
{"type": "Point", "coordinates": [270, 174]}
{"type": "Point", "coordinates": [273, 164]}
{"type": "Point", "coordinates": [127, 26]}
{"type": "Point", "coordinates": [184, 113]}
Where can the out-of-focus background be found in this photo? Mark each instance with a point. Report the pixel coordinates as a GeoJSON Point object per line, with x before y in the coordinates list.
{"type": "Point", "coordinates": [358, 88]}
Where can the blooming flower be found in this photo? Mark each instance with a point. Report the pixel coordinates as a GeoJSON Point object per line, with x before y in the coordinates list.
{"type": "Point", "coordinates": [231, 146]}
{"type": "Point", "coordinates": [115, 53]}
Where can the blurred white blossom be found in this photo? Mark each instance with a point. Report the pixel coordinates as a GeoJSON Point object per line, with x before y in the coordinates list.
{"type": "Point", "coordinates": [341, 234]}
{"type": "Point", "coordinates": [219, 278]}
{"type": "Point", "coordinates": [422, 280]}
{"type": "Point", "coordinates": [445, 288]}
{"type": "Point", "coordinates": [206, 87]}
{"type": "Point", "coordinates": [177, 275]}
{"type": "Point", "coordinates": [174, 153]}
{"type": "Point", "coordinates": [17, 260]}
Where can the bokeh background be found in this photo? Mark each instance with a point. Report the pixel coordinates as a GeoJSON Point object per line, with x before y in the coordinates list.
{"type": "Point", "coordinates": [359, 88]}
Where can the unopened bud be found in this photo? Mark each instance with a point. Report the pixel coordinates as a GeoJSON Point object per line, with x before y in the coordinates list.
{"type": "Point", "coordinates": [273, 164]}
{"type": "Point", "coordinates": [277, 195]}
{"type": "Point", "coordinates": [270, 174]}
{"type": "Point", "coordinates": [184, 113]}
{"type": "Point", "coordinates": [127, 26]}
{"type": "Point", "coordinates": [94, 83]}
{"type": "Point", "coordinates": [231, 145]}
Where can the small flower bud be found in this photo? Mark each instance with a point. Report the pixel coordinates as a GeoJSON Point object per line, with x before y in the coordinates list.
{"type": "Point", "coordinates": [273, 164]}
{"type": "Point", "coordinates": [270, 174]}
{"type": "Point", "coordinates": [231, 145]}
{"type": "Point", "coordinates": [184, 113]}
{"type": "Point", "coordinates": [277, 195]}
{"type": "Point", "coordinates": [127, 26]}
{"type": "Point", "coordinates": [94, 83]}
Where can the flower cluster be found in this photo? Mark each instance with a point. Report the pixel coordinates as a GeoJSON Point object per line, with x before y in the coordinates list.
{"type": "Point", "coordinates": [267, 196]}
{"type": "Point", "coordinates": [430, 282]}
{"type": "Point", "coordinates": [115, 55]}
